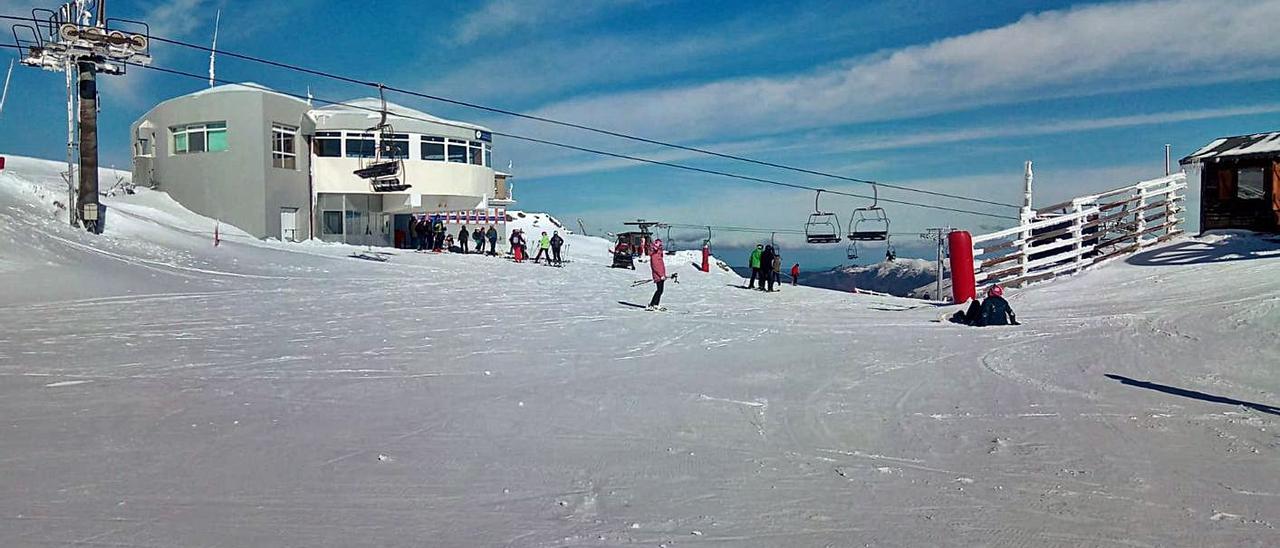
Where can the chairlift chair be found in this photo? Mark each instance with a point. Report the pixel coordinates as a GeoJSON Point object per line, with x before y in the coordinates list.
{"type": "Point", "coordinates": [822, 227]}
{"type": "Point", "coordinates": [869, 224]}
{"type": "Point", "coordinates": [384, 171]}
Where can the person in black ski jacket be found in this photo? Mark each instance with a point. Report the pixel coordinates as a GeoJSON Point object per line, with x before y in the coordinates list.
{"type": "Point", "coordinates": [556, 243]}
{"type": "Point", "coordinates": [493, 241]}
{"type": "Point", "coordinates": [464, 237]}
{"type": "Point", "coordinates": [420, 229]}
{"type": "Point", "coordinates": [996, 310]}
{"type": "Point", "coordinates": [766, 268]}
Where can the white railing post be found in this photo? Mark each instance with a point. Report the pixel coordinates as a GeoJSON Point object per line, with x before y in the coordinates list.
{"type": "Point", "coordinates": [1077, 233]}
{"type": "Point", "coordinates": [1025, 217]}
{"type": "Point", "coordinates": [1140, 216]}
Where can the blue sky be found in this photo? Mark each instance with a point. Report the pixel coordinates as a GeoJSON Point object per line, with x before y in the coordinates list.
{"type": "Point", "coordinates": [940, 95]}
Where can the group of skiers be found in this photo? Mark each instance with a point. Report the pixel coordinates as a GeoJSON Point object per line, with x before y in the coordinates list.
{"type": "Point", "coordinates": [549, 247]}
{"type": "Point", "coordinates": [431, 234]}
{"type": "Point", "coordinates": [766, 266]}
{"type": "Point", "coordinates": [993, 311]}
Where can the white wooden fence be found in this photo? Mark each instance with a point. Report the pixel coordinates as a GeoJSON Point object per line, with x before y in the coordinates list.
{"type": "Point", "coordinates": [1071, 236]}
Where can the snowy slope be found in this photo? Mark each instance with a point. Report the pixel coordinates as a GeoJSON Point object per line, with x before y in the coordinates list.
{"type": "Point", "coordinates": [158, 391]}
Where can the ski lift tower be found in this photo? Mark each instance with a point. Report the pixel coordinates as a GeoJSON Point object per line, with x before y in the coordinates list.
{"type": "Point", "coordinates": [79, 40]}
{"type": "Point", "coordinates": [643, 225]}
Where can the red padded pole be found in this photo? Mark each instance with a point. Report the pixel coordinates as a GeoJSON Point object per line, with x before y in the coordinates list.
{"type": "Point", "coordinates": [963, 286]}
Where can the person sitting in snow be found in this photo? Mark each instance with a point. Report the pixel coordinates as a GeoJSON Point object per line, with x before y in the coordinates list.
{"type": "Point", "coordinates": [996, 310]}
{"type": "Point", "coordinates": [970, 316]}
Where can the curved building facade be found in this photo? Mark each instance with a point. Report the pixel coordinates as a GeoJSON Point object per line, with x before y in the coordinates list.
{"type": "Point", "coordinates": [278, 168]}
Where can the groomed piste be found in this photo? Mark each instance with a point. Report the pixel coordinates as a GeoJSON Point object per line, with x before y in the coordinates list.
{"type": "Point", "coordinates": [156, 390]}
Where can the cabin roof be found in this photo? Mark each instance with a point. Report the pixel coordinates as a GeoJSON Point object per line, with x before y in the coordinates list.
{"type": "Point", "coordinates": [1240, 147]}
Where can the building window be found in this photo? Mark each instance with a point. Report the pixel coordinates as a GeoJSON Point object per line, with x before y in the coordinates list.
{"type": "Point", "coordinates": [475, 154]}
{"type": "Point", "coordinates": [360, 145]}
{"type": "Point", "coordinates": [1250, 184]}
{"type": "Point", "coordinates": [331, 222]}
{"type": "Point", "coordinates": [397, 147]}
{"type": "Point", "coordinates": [488, 156]}
{"type": "Point", "coordinates": [433, 148]}
{"type": "Point", "coordinates": [142, 147]}
{"type": "Point", "coordinates": [328, 144]}
{"type": "Point", "coordinates": [283, 152]}
{"type": "Point", "coordinates": [457, 151]}
{"type": "Point", "coordinates": [193, 138]}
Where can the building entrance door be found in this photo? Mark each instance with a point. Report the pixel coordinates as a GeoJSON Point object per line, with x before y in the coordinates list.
{"type": "Point", "coordinates": [288, 224]}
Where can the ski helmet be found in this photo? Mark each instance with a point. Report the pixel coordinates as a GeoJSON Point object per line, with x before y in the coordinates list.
{"type": "Point", "coordinates": [996, 291]}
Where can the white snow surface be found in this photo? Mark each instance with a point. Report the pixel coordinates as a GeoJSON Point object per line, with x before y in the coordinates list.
{"type": "Point", "coordinates": [158, 391]}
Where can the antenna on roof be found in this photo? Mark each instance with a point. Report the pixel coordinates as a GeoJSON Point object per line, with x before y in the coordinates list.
{"type": "Point", "coordinates": [5, 95]}
{"type": "Point", "coordinates": [213, 50]}
{"type": "Point", "coordinates": [308, 95]}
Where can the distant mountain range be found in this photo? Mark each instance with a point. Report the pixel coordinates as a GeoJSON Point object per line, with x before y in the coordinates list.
{"type": "Point", "coordinates": [902, 277]}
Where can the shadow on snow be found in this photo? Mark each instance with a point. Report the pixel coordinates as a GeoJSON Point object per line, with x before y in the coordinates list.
{"type": "Point", "coordinates": [1195, 395]}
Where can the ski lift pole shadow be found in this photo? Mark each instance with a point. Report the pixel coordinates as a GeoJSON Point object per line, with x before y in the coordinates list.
{"type": "Point", "coordinates": [1195, 395]}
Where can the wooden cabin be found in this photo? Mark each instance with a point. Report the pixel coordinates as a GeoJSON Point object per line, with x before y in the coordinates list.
{"type": "Point", "coordinates": [1239, 182]}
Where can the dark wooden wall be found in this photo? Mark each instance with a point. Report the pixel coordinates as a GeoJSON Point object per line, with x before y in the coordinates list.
{"type": "Point", "coordinates": [1234, 213]}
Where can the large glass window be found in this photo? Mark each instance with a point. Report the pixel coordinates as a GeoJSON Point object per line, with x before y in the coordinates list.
{"type": "Point", "coordinates": [488, 156]}
{"type": "Point", "coordinates": [360, 145]}
{"type": "Point", "coordinates": [284, 155]}
{"type": "Point", "coordinates": [193, 138]}
{"type": "Point", "coordinates": [475, 153]}
{"type": "Point", "coordinates": [457, 151]}
{"type": "Point", "coordinates": [397, 146]}
{"type": "Point", "coordinates": [433, 148]}
{"type": "Point", "coordinates": [1249, 186]}
{"type": "Point", "coordinates": [331, 222]}
{"type": "Point", "coordinates": [328, 144]}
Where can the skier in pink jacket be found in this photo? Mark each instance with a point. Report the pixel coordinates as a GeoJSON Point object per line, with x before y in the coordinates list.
{"type": "Point", "coordinates": [659, 268]}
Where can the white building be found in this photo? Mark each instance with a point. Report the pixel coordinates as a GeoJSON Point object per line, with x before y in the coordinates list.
{"type": "Point", "coordinates": [278, 168]}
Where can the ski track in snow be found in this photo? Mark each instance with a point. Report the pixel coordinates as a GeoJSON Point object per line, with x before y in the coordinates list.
{"type": "Point", "coordinates": [158, 391]}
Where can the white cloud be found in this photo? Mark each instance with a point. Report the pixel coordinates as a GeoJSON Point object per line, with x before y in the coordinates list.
{"type": "Point", "coordinates": [497, 18]}
{"type": "Point", "coordinates": [1073, 52]}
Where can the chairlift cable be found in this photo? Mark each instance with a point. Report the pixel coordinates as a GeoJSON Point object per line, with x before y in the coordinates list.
{"type": "Point", "coordinates": [573, 125]}
{"type": "Point", "coordinates": [567, 146]}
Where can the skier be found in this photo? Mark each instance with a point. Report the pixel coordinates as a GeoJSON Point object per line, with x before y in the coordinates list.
{"type": "Point", "coordinates": [420, 230]}
{"type": "Point", "coordinates": [437, 231]}
{"type": "Point", "coordinates": [493, 241]}
{"type": "Point", "coordinates": [766, 269]}
{"type": "Point", "coordinates": [754, 263]}
{"type": "Point", "coordinates": [996, 310]}
{"type": "Point", "coordinates": [544, 249]}
{"type": "Point", "coordinates": [795, 274]}
{"type": "Point", "coordinates": [777, 272]}
{"type": "Point", "coordinates": [659, 270]}
{"type": "Point", "coordinates": [517, 245]}
{"type": "Point", "coordinates": [556, 243]}
{"type": "Point", "coordinates": [464, 236]}
{"type": "Point", "coordinates": [478, 237]}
